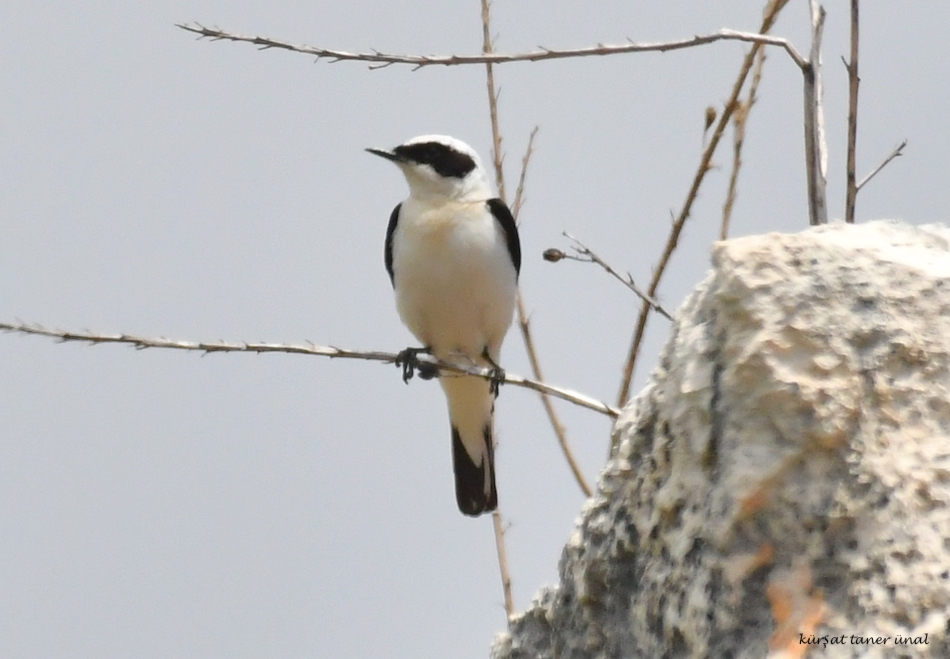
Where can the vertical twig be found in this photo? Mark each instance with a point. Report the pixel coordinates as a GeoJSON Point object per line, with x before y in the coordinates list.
{"type": "Point", "coordinates": [499, 527]}
{"type": "Point", "coordinates": [853, 82]}
{"type": "Point", "coordinates": [816, 154]}
{"type": "Point", "coordinates": [497, 160]}
{"type": "Point", "coordinates": [523, 320]}
{"type": "Point", "coordinates": [498, 157]}
{"type": "Point", "coordinates": [738, 137]}
{"type": "Point", "coordinates": [519, 191]}
{"type": "Point", "coordinates": [524, 325]}
{"type": "Point", "coordinates": [740, 120]}
{"type": "Point", "coordinates": [770, 15]}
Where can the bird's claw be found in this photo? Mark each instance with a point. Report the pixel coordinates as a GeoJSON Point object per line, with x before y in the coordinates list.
{"type": "Point", "coordinates": [408, 361]}
{"type": "Point", "coordinates": [496, 379]}
{"type": "Point", "coordinates": [496, 376]}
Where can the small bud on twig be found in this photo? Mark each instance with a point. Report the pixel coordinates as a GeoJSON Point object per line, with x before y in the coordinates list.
{"type": "Point", "coordinates": [710, 118]}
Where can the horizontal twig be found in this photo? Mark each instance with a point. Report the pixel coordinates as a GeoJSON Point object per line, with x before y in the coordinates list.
{"type": "Point", "coordinates": [419, 61]}
{"type": "Point", "coordinates": [141, 343]}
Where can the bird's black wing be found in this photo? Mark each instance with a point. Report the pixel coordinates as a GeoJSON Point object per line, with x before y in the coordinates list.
{"type": "Point", "coordinates": [504, 218]}
{"type": "Point", "coordinates": [390, 230]}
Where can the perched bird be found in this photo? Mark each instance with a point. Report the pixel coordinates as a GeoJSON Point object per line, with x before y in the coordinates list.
{"type": "Point", "coordinates": [453, 256]}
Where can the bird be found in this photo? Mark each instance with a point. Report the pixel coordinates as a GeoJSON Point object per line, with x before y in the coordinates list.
{"type": "Point", "coordinates": [453, 256]}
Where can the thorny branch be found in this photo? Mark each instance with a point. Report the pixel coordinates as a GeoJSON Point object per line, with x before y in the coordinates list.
{"type": "Point", "coordinates": [141, 343]}
{"type": "Point", "coordinates": [586, 255]}
{"type": "Point", "coordinates": [489, 57]}
{"type": "Point", "coordinates": [498, 153]}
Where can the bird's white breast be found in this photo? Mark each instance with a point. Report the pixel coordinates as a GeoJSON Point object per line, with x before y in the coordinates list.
{"type": "Point", "coordinates": [454, 280]}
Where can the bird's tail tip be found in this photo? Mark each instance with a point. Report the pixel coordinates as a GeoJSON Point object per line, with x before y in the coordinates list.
{"type": "Point", "coordinates": [475, 490]}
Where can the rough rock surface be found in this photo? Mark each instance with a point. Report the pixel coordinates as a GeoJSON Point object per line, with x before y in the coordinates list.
{"type": "Point", "coordinates": [785, 475]}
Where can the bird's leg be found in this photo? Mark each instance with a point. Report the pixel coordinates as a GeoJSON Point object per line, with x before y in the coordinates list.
{"type": "Point", "coordinates": [497, 373]}
{"type": "Point", "coordinates": [408, 360]}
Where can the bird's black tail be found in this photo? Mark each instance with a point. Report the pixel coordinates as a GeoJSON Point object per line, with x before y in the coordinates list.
{"type": "Point", "coordinates": [474, 483]}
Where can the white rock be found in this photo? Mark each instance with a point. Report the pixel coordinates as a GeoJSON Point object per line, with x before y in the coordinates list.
{"type": "Point", "coordinates": [785, 475]}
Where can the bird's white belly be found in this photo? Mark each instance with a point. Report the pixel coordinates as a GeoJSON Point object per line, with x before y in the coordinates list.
{"type": "Point", "coordinates": [454, 280]}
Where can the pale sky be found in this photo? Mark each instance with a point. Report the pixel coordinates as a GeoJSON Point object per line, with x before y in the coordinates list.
{"type": "Point", "coordinates": [160, 504]}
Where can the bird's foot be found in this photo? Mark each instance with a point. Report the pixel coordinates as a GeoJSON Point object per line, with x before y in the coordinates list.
{"type": "Point", "coordinates": [408, 361]}
{"type": "Point", "coordinates": [497, 379]}
{"type": "Point", "coordinates": [427, 371]}
{"type": "Point", "coordinates": [496, 376]}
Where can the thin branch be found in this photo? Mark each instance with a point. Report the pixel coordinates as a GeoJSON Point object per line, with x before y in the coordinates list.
{"type": "Point", "coordinates": [498, 163]}
{"type": "Point", "coordinates": [419, 61]}
{"type": "Point", "coordinates": [502, 552]}
{"type": "Point", "coordinates": [816, 152]}
{"type": "Point", "coordinates": [586, 255]}
{"type": "Point", "coordinates": [770, 15]}
{"type": "Point", "coordinates": [740, 119]}
{"type": "Point", "coordinates": [141, 343]}
{"type": "Point", "coordinates": [853, 82]}
{"type": "Point", "coordinates": [498, 154]}
{"type": "Point", "coordinates": [523, 322]}
{"type": "Point", "coordinates": [519, 192]}
{"type": "Point", "coordinates": [738, 138]}
{"type": "Point", "coordinates": [898, 151]}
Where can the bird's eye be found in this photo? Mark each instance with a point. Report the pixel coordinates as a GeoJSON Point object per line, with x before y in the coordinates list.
{"type": "Point", "coordinates": [444, 160]}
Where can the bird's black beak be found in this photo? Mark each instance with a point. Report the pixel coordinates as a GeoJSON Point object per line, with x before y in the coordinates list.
{"type": "Point", "coordinates": [388, 155]}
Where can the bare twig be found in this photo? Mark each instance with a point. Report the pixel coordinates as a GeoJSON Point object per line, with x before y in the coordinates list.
{"type": "Point", "coordinates": [523, 322]}
{"type": "Point", "coordinates": [853, 82]}
{"type": "Point", "coordinates": [739, 121]}
{"type": "Point", "coordinates": [898, 151]}
{"type": "Point", "coordinates": [771, 13]}
{"type": "Point", "coordinates": [519, 192]}
{"type": "Point", "coordinates": [419, 61]}
{"type": "Point", "coordinates": [498, 159]}
{"type": "Point", "coordinates": [498, 154]}
{"type": "Point", "coordinates": [141, 343]}
{"type": "Point", "coordinates": [586, 255]}
{"type": "Point", "coordinates": [738, 138]}
{"type": "Point", "coordinates": [499, 526]}
{"type": "Point", "coordinates": [816, 153]}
